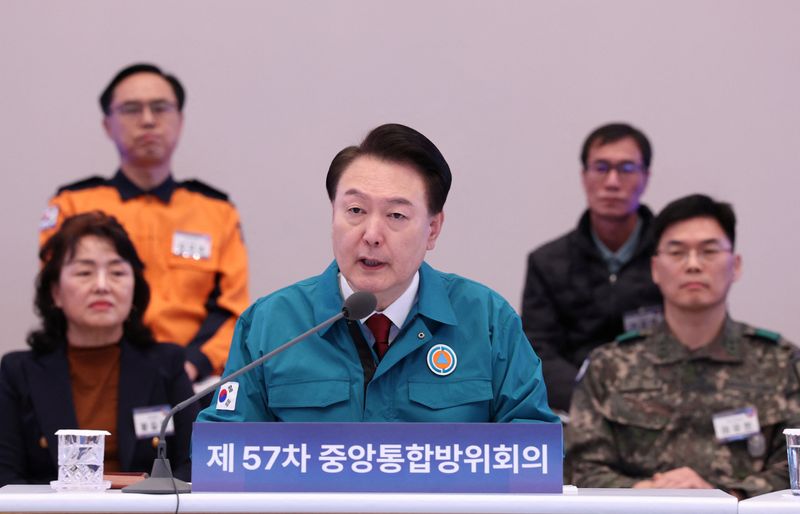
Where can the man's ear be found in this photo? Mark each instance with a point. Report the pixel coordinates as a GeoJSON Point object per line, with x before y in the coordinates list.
{"type": "Point", "coordinates": [737, 267]}
{"type": "Point", "coordinates": [654, 270]}
{"type": "Point", "coordinates": [436, 222]}
{"type": "Point", "coordinates": [106, 126]}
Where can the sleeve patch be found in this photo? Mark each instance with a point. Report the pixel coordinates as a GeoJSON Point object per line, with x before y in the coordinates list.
{"type": "Point", "coordinates": [226, 398]}
{"type": "Point", "coordinates": [49, 218]}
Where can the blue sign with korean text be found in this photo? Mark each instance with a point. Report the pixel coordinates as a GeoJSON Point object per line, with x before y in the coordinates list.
{"type": "Point", "coordinates": [377, 457]}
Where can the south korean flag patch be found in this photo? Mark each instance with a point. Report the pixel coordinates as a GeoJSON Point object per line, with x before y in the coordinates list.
{"type": "Point", "coordinates": [226, 399]}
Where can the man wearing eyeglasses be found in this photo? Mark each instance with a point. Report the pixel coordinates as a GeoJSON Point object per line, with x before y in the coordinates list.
{"type": "Point", "coordinates": [593, 283]}
{"type": "Point", "coordinates": [187, 233]}
{"type": "Point", "coordinates": [701, 400]}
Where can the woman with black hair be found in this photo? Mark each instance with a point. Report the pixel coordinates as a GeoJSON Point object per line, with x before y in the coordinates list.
{"type": "Point", "coordinates": [92, 364]}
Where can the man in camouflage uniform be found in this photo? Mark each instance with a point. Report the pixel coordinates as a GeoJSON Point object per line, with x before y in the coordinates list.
{"type": "Point", "coordinates": [702, 400]}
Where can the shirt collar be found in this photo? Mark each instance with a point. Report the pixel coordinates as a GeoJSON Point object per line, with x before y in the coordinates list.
{"type": "Point", "coordinates": [398, 311]}
{"type": "Point", "coordinates": [128, 190]}
{"type": "Point", "coordinates": [616, 260]}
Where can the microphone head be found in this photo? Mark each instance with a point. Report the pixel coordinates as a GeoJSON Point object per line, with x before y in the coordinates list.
{"type": "Point", "coordinates": [359, 305]}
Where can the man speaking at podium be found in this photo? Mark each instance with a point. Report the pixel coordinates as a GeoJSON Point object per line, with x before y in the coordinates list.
{"type": "Point", "coordinates": [439, 348]}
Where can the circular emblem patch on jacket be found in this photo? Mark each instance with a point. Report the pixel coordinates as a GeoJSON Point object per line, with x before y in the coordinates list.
{"type": "Point", "coordinates": [442, 360]}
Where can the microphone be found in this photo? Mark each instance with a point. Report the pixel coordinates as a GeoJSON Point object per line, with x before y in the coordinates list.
{"type": "Point", "coordinates": [357, 306]}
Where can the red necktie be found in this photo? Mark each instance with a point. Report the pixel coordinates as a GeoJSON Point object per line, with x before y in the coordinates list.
{"type": "Point", "coordinates": [379, 325]}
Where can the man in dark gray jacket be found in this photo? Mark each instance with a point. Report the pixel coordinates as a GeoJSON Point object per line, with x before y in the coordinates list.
{"type": "Point", "coordinates": [590, 285]}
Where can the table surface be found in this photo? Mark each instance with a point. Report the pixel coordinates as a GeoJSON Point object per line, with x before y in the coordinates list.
{"type": "Point", "coordinates": [771, 503]}
{"type": "Point", "coordinates": [41, 498]}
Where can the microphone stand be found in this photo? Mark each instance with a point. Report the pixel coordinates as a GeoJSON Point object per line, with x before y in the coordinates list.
{"type": "Point", "coordinates": [161, 481]}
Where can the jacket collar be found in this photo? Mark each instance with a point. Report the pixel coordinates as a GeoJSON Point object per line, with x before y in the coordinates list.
{"type": "Point", "coordinates": [726, 347]}
{"type": "Point", "coordinates": [128, 190]}
{"type": "Point", "coordinates": [583, 234]}
{"type": "Point", "coordinates": [434, 302]}
{"type": "Point", "coordinates": [432, 299]}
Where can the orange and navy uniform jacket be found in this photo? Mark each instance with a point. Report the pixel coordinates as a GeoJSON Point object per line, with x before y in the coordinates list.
{"type": "Point", "coordinates": [189, 237]}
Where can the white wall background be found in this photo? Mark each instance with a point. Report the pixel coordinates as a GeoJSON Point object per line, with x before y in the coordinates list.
{"type": "Point", "coordinates": [507, 90]}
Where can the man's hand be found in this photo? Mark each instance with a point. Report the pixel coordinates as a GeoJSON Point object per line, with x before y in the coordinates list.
{"type": "Point", "coordinates": [679, 478]}
{"type": "Point", "coordinates": [191, 370]}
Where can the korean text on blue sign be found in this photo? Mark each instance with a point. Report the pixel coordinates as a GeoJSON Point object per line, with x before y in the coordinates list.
{"type": "Point", "coordinates": [377, 457]}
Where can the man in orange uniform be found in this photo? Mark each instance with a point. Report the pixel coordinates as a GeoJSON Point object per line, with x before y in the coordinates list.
{"type": "Point", "coordinates": [187, 233]}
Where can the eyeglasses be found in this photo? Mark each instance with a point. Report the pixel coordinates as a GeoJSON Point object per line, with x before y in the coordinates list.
{"type": "Point", "coordinates": [133, 110]}
{"type": "Point", "coordinates": [624, 168]}
{"type": "Point", "coordinates": [706, 254]}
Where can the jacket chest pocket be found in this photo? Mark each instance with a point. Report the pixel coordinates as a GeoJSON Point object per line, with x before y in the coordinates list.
{"type": "Point", "coordinates": [454, 401]}
{"type": "Point", "coordinates": [191, 275]}
{"type": "Point", "coordinates": [640, 404]}
{"type": "Point", "coordinates": [640, 417]}
{"type": "Point", "coordinates": [318, 400]}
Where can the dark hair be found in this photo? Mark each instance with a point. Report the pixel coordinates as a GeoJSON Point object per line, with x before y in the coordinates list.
{"type": "Point", "coordinates": [613, 132]}
{"type": "Point", "coordinates": [108, 93]}
{"type": "Point", "coordinates": [695, 206]}
{"type": "Point", "coordinates": [403, 145]}
{"type": "Point", "coordinates": [56, 251]}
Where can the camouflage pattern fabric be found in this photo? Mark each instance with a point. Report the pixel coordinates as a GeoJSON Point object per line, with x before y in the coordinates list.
{"type": "Point", "coordinates": [645, 405]}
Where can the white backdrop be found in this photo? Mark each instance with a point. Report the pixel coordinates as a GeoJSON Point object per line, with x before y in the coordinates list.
{"type": "Point", "coordinates": [506, 89]}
